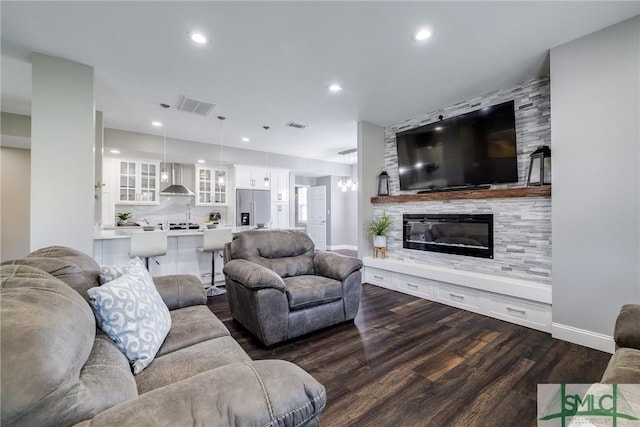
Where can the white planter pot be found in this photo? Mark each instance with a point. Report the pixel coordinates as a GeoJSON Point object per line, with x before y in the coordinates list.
{"type": "Point", "coordinates": [379, 241]}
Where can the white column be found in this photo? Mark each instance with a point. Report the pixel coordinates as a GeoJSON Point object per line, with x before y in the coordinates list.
{"type": "Point", "coordinates": [595, 131]}
{"type": "Point", "coordinates": [99, 153]}
{"type": "Point", "coordinates": [62, 153]}
{"type": "Point", "coordinates": [370, 163]}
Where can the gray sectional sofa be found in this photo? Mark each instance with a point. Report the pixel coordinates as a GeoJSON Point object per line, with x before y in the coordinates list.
{"type": "Point", "coordinates": [624, 365]}
{"type": "Point", "coordinates": [59, 369]}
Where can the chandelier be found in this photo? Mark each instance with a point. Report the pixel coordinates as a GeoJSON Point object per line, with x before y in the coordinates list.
{"type": "Point", "coordinates": [349, 157]}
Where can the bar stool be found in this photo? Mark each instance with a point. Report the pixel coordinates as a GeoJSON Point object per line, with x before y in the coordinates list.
{"type": "Point", "coordinates": [147, 244]}
{"type": "Point", "coordinates": [213, 241]}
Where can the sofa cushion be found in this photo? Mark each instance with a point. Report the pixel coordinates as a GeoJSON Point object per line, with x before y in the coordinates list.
{"type": "Point", "coordinates": [131, 312]}
{"type": "Point", "coordinates": [191, 325]}
{"type": "Point", "coordinates": [189, 361]}
{"type": "Point", "coordinates": [180, 290]}
{"type": "Point", "coordinates": [50, 332]}
{"type": "Point", "coordinates": [74, 268]}
{"type": "Point", "coordinates": [308, 291]}
{"type": "Point", "coordinates": [623, 368]}
{"type": "Point", "coordinates": [266, 393]}
{"type": "Point", "coordinates": [287, 252]}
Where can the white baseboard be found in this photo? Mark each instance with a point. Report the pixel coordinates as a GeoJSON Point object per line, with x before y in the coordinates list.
{"type": "Point", "coordinates": [583, 337]}
{"type": "Point", "coordinates": [342, 247]}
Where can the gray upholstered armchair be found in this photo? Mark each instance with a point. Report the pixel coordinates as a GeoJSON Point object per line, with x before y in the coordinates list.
{"type": "Point", "coordinates": [280, 288]}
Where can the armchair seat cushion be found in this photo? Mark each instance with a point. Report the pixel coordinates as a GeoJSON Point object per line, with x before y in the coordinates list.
{"type": "Point", "coordinates": [308, 291]}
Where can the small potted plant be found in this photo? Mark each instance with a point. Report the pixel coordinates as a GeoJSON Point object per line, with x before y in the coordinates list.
{"type": "Point", "coordinates": [214, 219]}
{"type": "Point", "coordinates": [123, 217]}
{"type": "Point", "coordinates": [379, 228]}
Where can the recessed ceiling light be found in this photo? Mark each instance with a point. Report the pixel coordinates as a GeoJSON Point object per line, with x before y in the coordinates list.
{"type": "Point", "coordinates": [245, 139]}
{"type": "Point", "coordinates": [200, 161]}
{"type": "Point", "coordinates": [422, 35]}
{"type": "Point", "coordinates": [198, 37]}
{"type": "Point", "coordinates": [156, 124]}
{"type": "Point", "coordinates": [115, 151]}
{"type": "Point", "coordinates": [335, 87]}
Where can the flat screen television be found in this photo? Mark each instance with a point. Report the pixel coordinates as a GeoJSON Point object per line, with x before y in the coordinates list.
{"type": "Point", "coordinates": [469, 150]}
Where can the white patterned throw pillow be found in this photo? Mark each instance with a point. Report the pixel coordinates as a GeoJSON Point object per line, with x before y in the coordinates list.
{"type": "Point", "coordinates": [111, 272]}
{"type": "Point", "coordinates": [132, 313]}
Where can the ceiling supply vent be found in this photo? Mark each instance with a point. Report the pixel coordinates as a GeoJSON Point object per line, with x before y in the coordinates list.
{"type": "Point", "coordinates": [196, 106]}
{"type": "Point", "coordinates": [296, 125]}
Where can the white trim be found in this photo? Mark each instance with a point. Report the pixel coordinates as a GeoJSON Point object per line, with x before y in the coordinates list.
{"type": "Point", "coordinates": [583, 337]}
{"type": "Point", "coordinates": [342, 247]}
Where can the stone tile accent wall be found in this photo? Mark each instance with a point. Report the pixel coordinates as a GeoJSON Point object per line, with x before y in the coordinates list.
{"type": "Point", "coordinates": [522, 226]}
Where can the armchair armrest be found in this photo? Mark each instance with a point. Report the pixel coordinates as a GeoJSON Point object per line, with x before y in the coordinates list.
{"type": "Point", "coordinates": [627, 329]}
{"type": "Point", "coordinates": [252, 275]}
{"type": "Point", "coordinates": [180, 290]}
{"type": "Point", "coordinates": [259, 393]}
{"type": "Point", "coordinates": [335, 266]}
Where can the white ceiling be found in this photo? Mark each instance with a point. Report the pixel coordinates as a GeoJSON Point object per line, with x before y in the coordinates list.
{"type": "Point", "coordinates": [269, 63]}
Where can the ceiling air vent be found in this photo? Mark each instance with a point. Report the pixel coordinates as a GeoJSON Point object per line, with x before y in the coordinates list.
{"type": "Point", "coordinates": [196, 106]}
{"type": "Point", "coordinates": [296, 125]}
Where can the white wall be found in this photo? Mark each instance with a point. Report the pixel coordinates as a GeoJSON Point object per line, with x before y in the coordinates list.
{"type": "Point", "coordinates": [595, 108]}
{"type": "Point", "coordinates": [142, 145]}
{"type": "Point", "coordinates": [62, 156]}
{"type": "Point", "coordinates": [344, 217]}
{"type": "Point", "coordinates": [15, 181]}
{"type": "Point", "coordinates": [370, 163]}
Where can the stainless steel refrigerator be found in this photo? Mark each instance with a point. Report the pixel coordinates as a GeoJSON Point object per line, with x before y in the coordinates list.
{"type": "Point", "coordinates": [253, 207]}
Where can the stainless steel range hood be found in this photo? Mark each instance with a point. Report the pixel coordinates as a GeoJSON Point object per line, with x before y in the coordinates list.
{"type": "Point", "coordinates": [176, 187]}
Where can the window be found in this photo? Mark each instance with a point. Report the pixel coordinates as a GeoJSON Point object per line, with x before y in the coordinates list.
{"type": "Point", "coordinates": [301, 204]}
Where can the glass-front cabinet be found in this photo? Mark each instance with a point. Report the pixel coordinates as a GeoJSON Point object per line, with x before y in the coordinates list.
{"type": "Point", "coordinates": [211, 186]}
{"type": "Point", "coordinates": [138, 182]}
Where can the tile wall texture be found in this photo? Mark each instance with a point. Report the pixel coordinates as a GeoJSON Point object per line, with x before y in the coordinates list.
{"type": "Point", "coordinates": [522, 226]}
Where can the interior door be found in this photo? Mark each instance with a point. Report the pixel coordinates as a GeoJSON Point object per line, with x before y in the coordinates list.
{"type": "Point", "coordinates": [317, 222]}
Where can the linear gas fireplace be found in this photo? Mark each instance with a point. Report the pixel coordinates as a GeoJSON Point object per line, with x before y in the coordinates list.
{"type": "Point", "coordinates": [461, 234]}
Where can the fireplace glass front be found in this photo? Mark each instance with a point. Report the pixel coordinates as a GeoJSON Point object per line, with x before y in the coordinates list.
{"type": "Point", "coordinates": [459, 234]}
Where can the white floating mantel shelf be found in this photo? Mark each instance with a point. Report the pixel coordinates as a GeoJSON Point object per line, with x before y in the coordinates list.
{"type": "Point", "coordinates": [495, 193]}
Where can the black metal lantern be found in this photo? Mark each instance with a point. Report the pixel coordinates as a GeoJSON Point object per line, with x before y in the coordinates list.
{"type": "Point", "coordinates": [540, 166]}
{"type": "Point", "coordinates": [383, 183]}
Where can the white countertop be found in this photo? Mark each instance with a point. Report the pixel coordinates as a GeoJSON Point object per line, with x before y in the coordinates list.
{"type": "Point", "coordinates": [125, 232]}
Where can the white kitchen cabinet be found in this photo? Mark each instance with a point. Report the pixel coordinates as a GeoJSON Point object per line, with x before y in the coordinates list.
{"type": "Point", "coordinates": [138, 182]}
{"type": "Point", "coordinates": [252, 177]}
{"type": "Point", "coordinates": [211, 186]}
{"type": "Point", "coordinates": [279, 185]}
{"type": "Point", "coordinates": [280, 215]}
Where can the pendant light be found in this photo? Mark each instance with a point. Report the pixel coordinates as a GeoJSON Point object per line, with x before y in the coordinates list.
{"type": "Point", "coordinates": [266, 171]}
{"type": "Point", "coordinates": [164, 174]}
{"type": "Point", "coordinates": [221, 175]}
{"type": "Point", "coordinates": [349, 182]}
{"type": "Point", "coordinates": [176, 188]}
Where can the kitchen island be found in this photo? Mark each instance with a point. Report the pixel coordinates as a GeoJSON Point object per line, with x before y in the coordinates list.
{"type": "Point", "coordinates": [111, 247]}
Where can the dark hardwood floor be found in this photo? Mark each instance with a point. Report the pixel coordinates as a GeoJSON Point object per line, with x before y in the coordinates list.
{"type": "Point", "coordinates": [412, 362]}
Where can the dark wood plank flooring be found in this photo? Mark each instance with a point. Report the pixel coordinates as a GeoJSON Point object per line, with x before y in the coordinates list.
{"type": "Point", "coordinates": [412, 362]}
